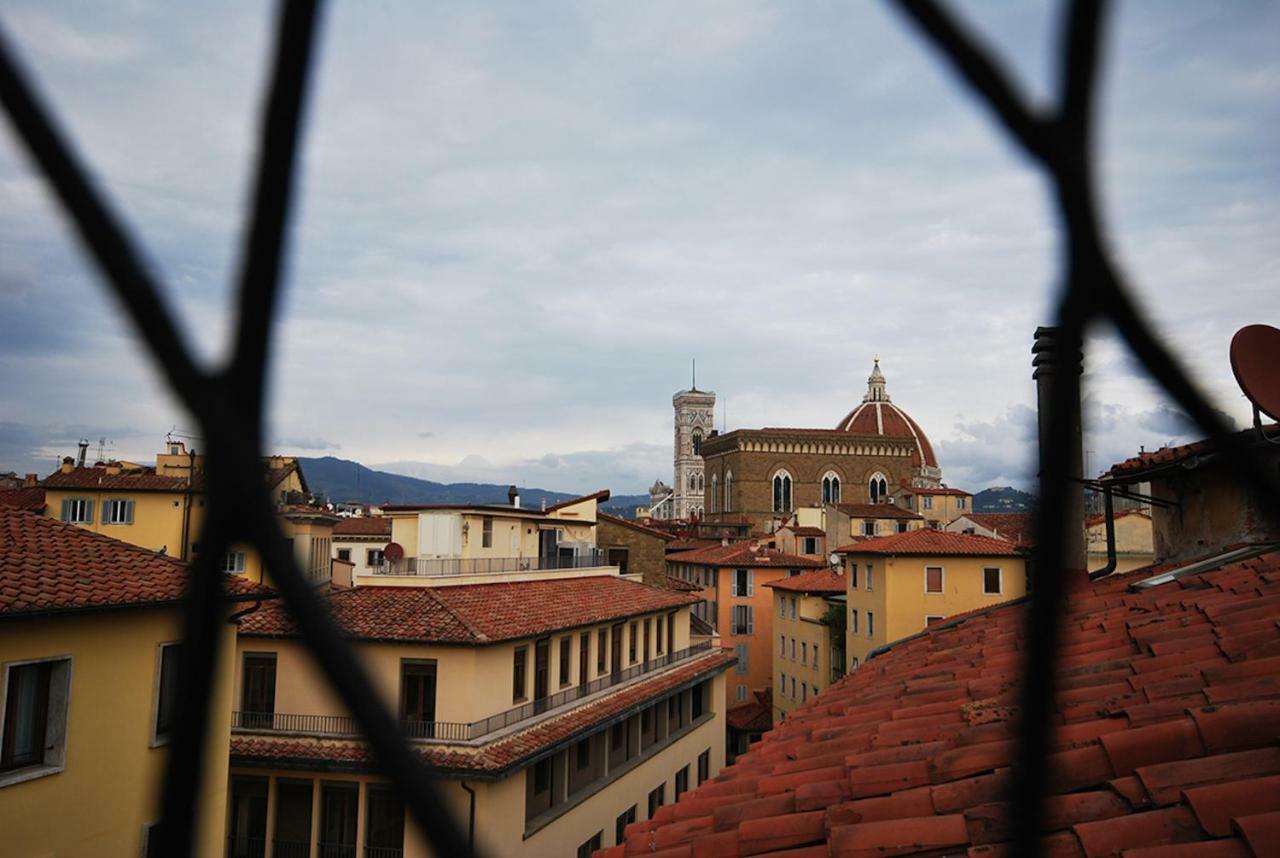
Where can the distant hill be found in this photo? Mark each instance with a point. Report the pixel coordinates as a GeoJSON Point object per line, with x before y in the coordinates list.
{"type": "Point", "coordinates": [1003, 499]}
{"type": "Point", "coordinates": [344, 480]}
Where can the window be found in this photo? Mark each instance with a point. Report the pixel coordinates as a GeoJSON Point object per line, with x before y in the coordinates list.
{"type": "Point", "coordinates": [959, 503]}
{"type": "Point", "coordinates": [486, 532]}
{"type": "Point", "coordinates": [697, 442]}
{"type": "Point", "coordinates": [233, 561]}
{"type": "Point", "coordinates": [793, 688]}
{"type": "Point", "coordinates": [741, 693]}
{"type": "Point", "coordinates": [804, 691]}
{"type": "Point", "coordinates": [871, 624]}
{"type": "Point", "coordinates": [117, 511]}
{"type": "Point", "coordinates": [902, 527]}
{"type": "Point", "coordinates": [782, 683]}
{"type": "Point", "coordinates": [258, 689]}
{"type": "Point", "coordinates": [870, 577]}
{"type": "Point", "coordinates": [741, 650]}
{"type": "Point", "coordinates": [781, 491]}
{"type": "Point", "coordinates": [830, 488]}
{"type": "Point", "coordinates": [631, 649]}
{"type": "Point", "coordinates": [77, 511]}
{"type": "Point", "coordinates": [418, 694]}
{"type": "Point", "coordinates": [782, 645]}
{"type": "Point", "coordinates": [933, 579]}
{"type": "Point", "coordinates": [520, 669]}
{"type": "Point", "coordinates": [542, 776]}
{"type": "Point", "coordinates": [930, 619]}
{"type": "Point", "coordinates": [618, 557]}
{"type": "Point", "coordinates": [166, 690]}
{"type": "Point", "coordinates": [853, 576]}
{"type": "Point", "coordinates": [793, 607]}
{"type": "Point", "coordinates": [927, 502]}
{"type": "Point", "coordinates": [810, 545]}
{"type": "Point", "coordinates": [743, 620]}
{"type": "Point", "coordinates": [565, 644]}
{"type": "Point", "coordinates": [853, 663]}
{"type": "Point", "coordinates": [869, 528]}
{"type": "Point", "coordinates": [373, 557]}
{"type": "Point", "coordinates": [742, 583]}
{"type": "Point", "coordinates": [657, 798]}
{"type": "Point", "coordinates": [35, 716]}
{"type": "Point", "coordinates": [878, 488]}
{"type": "Point", "coordinates": [991, 580]}
{"type": "Point", "coordinates": [853, 620]}
{"type": "Point", "coordinates": [815, 656]}
{"type": "Point", "coordinates": [584, 753]}
{"type": "Point", "coordinates": [620, 825]}
{"type": "Point", "coordinates": [696, 700]}
{"type": "Point", "coordinates": [586, 850]}
{"type": "Point", "coordinates": [715, 491]}
{"type": "Point", "coordinates": [344, 554]}
{"type": "Point", "coordinates": [682, 782]}
{"type": "Point", "coordinates": [804, 652]}
{"type": "Point", "coordinates": [384, 822]}
{"type": "Point", "coordinates": [648, 646]}
{"type": "Point", "coordinates": [704, 766]}
{"type": "Point", "coordinates": [728, 491]}
{"type": "Point", "coordinates": [602, 649]}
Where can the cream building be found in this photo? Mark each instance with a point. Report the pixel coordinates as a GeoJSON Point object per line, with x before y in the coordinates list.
{"type": "Point", "coordinates": [809, 653]}
{"type": "Point", "coordinates": [1135, 543]}
{"type": "Point", "coordinates": [938, 506]}
{"type": "Point", "coordinates": [898, 585]}
{"type": "Point", "coordinates": [89, 636]}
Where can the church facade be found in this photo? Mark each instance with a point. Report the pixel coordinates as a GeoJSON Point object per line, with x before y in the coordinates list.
{"type": "Point", "coordinates": [764, 475]}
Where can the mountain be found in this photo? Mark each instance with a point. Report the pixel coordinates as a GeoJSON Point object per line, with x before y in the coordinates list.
{"type": "Point", "coordinates": [344, 480]}
{"type": "Point", "coordinates": [1003, 499]}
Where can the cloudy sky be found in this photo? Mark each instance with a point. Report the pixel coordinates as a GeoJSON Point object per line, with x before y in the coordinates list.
{"type": "Point", "coordinates": [519, 223]}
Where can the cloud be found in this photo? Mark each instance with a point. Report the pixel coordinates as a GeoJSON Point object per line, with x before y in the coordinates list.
{"type": "Point", "coordinates": [305, 443]}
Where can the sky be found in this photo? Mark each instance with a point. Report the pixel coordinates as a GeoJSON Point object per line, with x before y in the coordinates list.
{"type": "Point", "coordinates": [518, 223]}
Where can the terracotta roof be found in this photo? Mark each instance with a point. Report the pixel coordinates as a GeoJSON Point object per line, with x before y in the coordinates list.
{"type": "Point", "coordinates": [955, 492]}
{"type": "Point", "coordinates": [30, 498]}
{"type": "Point", "coordinates": [1095, 520]}
{"type": "Point", "coordinates": [927, 542]}
{"type": "Point", "coordinates": [50, 567]}
{"type": "Point", "coordinates": [740, 554]}
{"type": "Point", "coordinates": [674, 583]}
{"type": "Point", "coordinates": [805, 531]}
{"type": "Point", "coordinates": [877, 510]}
{"type": "Point", "coordinates": [1157, 459]}
{"type": "Point", "coordinates": [1016, 527]}
{"type": "Point", "coordinates": [631, 525]}
{"type": "Point", "coordinates": [1168, 720]}
{"type": "Point", "coordinates": [476, 613]}
{"type": "Point", "coordinates": [97, 479]}
{"type": "Point", "coordinates": [490, 759]}
{"type": "Point", "coordinates": [690, 545]}
{"type": "Point", "coordinates": [599, 497]}
{"type": "Point", "coordinates": [817, 581]}
{"type": "Point", "coordinates": [754, 716]}
{"type": "Point", "coordinates": [882, 417]}
{"type": "Point", "coordinates": [367, 525]}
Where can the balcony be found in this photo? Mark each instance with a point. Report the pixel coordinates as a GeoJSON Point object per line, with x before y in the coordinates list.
{"type": "Point", "coordinates": [437, 567]}
{"type": "Point", "coordinates": [346, 727]}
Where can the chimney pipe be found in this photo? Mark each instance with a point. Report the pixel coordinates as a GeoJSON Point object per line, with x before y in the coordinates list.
{"type": "Point", "coordinates": [513, 496]}
{"type": "Point", "coordinates": [84, 450]}
{"type": "Point", "coordinates": [1048, 363]}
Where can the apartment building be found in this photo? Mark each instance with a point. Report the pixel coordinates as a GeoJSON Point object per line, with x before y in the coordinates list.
{"type": "Point", "coordinates": [89, 631]}
{"type": "Point", "coordinates": [557, 706]}
{"type": "Point", "coordinates": [1133, 536]}
{"type": "Point", "coordinates": [937, 506]}
{"type": "Point", "coordinates": [162, 508]}
{"type": "Point", "coordinates": [899, 585]}
{"type": "Point", "coordinates": [735, 600]}
{"type": "Point", "coordinates": [809, 653]}
{"type": "Point", "coordinates": [634, 548]}
{"type": "Point", "coordinates": [362, 541]}
{"type": "Point", "coordinates": [849, 522]}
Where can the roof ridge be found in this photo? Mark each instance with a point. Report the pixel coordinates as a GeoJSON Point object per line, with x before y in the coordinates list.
{"type": "Point", "coordinates": [480, 636]}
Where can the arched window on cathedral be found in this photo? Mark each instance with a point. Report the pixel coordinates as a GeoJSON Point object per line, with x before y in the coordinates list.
{"type": "Point", "coordinates": [693, 482]}
{"type": "Point", "coordinates": [728, 491]}
{"type": "Point", "coordinates": [699, 482]}
{"type": "Point", "coordinates": [715, 496]}
{"type": "Point", "coordinates": [697, 442]}
{"type": "Point", "coordinates": [879, 488]}
{"type": "Point", "coordinates": [781, 492]}
{"type": "Point", "coordinates": [831, 487]}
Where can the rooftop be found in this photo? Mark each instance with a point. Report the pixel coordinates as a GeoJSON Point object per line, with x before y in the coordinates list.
{"type": "Point", "coordinates": [927, 542]}
{"type": "Point", "coordinates": [367, 525]}
{"type": "Point", "coordinates": [28, 497]}
{"type": "Point", "coordinates": [1168, 713]}
{"type": "Point", "coordinates": [1155, 460]}
{"type": "Point", "coordinates": [476, 613]}
{"type": "Point", "coordinates": [1016, 527]}
{"type": "Point", "coordinates": [48, 567]}
{"type": "Point", "coordinates": [877, 510]}
{"type": "Point", "coordinates": [942, 491]}
{"type": "Point", "coordinates": [742, 555]}
{"type": "Point", "coordinates": [817, 581]}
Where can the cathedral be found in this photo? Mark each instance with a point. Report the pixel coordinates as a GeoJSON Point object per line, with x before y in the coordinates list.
{"type": "Point", "coordinates": [764, 475]}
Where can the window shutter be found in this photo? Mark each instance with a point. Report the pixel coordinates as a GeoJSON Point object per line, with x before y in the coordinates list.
{"type": "Point", "coordinates": [751, 586]}
{"type": "Point", "coordinates": [106, 512]}
{"type": "Point", "coordinates": [751, 620]}
{"type": "Point", "coordinates": [128, 512]}
{"type": "Point", "coordinates": [66, 509]}
{"type": "Point", "coordinates": [88, 511]}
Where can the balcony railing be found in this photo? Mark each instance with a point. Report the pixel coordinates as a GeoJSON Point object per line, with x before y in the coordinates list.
{"type": "Point", "coordinates": [445, 566]}
{"type": "Point", "coordinates": [342, 726]}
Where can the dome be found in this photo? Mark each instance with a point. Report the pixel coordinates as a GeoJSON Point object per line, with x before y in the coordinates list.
{"type": "Point", "coordinates": [877, 415]}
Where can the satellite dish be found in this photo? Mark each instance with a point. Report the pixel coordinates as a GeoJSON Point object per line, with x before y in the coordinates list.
{"type": "Point", "coordinates": [834, 558]}
{"type": "Point", "coordinates": [1255, 360]}
{"type": "Point", "coordinates": [393, 551]}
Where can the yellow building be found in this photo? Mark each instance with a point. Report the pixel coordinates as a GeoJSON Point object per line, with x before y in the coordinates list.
{"type": "Point", "coordinates": [809, 653]}
{"type": "Point", "coordinates": [88, 643]}
{"type": "Point", "coordinates": [556, 707]}
{"type": "Point", "coordinates": [1135, 543]}
{"type": "Point", "coordinates": [899, 584]}
{"type": "Point", "coordinates": [849, 522]}
{"type": "Point", "coordinates": [938, 506]}
{"type": "Point", "coordinates": [162, 508]}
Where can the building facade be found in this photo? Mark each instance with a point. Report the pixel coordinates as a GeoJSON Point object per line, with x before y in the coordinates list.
{"type": "Point", "coordinates": [809, 654]}
{"type": "Point", "coordinates": [694, 422]}
{"type": "Point", "coordinates": [633, 548]}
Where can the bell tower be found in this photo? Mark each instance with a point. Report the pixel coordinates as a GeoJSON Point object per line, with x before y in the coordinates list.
{"type": "Point", "coordinates": [694, 417]}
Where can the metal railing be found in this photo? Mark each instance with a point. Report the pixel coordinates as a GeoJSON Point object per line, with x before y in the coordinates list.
{"type": "Point", "coordinates": [344, 726]}
{"type": "Point", "coordinates": [445, 566]}
{"type": "Point", "coordinates": [383, 852]}
{"type": "Point", "coordinates": [336, 850]}
{"type": "Point", "coordinates": [246, 847]}
{"type": "Point", "coordinates": [291, 849]}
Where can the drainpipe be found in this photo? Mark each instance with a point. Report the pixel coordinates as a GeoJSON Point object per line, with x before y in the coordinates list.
{"type": "Point", "coordinates": [1048, 363]}
{"type": "Point", "coordinates": [471, 820]}
{"type": "Point", "coordinates": [1109, 513]}
{"type": "Point", "coordinates": [186, 504]}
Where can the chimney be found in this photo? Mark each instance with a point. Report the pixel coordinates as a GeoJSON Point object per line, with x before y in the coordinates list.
{"type": "Point", "coordinates": [30, 480]}
{"type": "Point", "coordinates": [84, 451]}
{"type": "Point", "coordinates": [513, 496]}
{"type": "Point", "coordinates": [1048, 363]}
{"type": "Point", "coordinates": [68, 464]}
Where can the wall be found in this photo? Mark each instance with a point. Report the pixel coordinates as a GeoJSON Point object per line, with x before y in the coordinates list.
{"type": "Point", "coordinates": [760, 643]}
{"type": "Point", "coordinates": [112, 775]}
{"type": "Point", "coordinates": [646, 553]}
{"type": "Point", "coordinates": [1134, 542]}
{"type": "Point", "coordinates": [157, 517]}
{"type": "Point", "coordinates": [804, 629]}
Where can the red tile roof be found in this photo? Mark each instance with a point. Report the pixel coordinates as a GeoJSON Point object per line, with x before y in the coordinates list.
{"type": "Point", "coordinates": [366, 525]}
{"type": "Point", "coordinates": [30, 498]}
{"type": "Point", "coordinates": [690, 545]}
{"type": "Point", "coordinates": [805, 531]}
{"type": "Point", "coordinates": [631, 525]}
{"type": "Point", "coordinates": [476, 613]}
{"type": "Point", "coordinates": [1095, 520]}
{"type": "Point", "coordinates": [1016, 527]}
{"type": "Point", "coordinates": [1156, 459]}
{"type": "Point", "coordinates": [929, 542]}
{"type": "Point", "coordinates": [739, 554]}
{"type": "Point", "coordinates": [955, 492]}
{"type": "Point", "coordinates": [1168, 716]}
{"type": "Point", "coordinates": [491, 758]}
{"type": "Point", "coordinates": [97, 479]}
{"type": "Point", "coordinates": [674, 583]}
{"type": "Point", "coordinates": [50, 567]}
{"type": "Point", "coordinates": [754, 716]}
{"type": "Point", "coordinates": [817, 581]}
{"type": "Point", "coordinates": [877, 510]}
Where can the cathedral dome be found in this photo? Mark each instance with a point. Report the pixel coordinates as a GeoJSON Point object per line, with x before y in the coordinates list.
{"type": "Point", "coordinates": [877, 415]}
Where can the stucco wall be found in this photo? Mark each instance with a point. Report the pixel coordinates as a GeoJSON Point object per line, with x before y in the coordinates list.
{"type": "Point", "coordinates": [646, 554]}
{"type": "Point", "coordinates": [804, 629]}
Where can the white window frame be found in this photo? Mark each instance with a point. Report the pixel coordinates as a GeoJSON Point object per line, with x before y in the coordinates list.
{"type": "Point", "coordinates": [999, 581]}
{"type": "Point", "coordinates": [233, 562]}
{"type": "Point", "coordinates": [750, 584]}
{"type": "Point", "coordinates": [728, 491]}
{"type": "Point", "coordinates": [58, 713]}
{"type": "Point", "coordinates": [959, 503]}
{"type": "Point", "coordinates": [942, 581]}
{"type": "Point", "coordinates": [85, 504]}
{"type": "Point", "coordinates": [110, 506]}
{"type": "Point", "coordinates": [370, 554]}
{"type": "Point", "coordinates": [742, 692]}
{"type": "Point", "coordinates": [927, 502]}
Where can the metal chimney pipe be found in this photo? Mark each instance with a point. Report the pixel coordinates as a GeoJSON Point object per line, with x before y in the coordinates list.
{"type": "Point", "coordinates": [1048, 363]}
